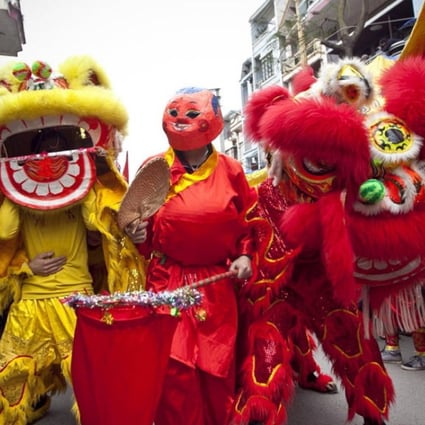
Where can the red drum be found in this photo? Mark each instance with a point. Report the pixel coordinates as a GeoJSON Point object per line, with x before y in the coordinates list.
{"type": "Point", "coordinates": [118, 363]}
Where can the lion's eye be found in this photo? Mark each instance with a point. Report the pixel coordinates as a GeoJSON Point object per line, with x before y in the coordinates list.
{"type": "Point", "coordinates": [192, 113]}
{"type": "Point", "coordinates": [317, 167]}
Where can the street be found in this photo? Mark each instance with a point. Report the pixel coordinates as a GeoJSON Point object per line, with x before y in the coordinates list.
{"type": "Point", "coordinates": [310, 408]}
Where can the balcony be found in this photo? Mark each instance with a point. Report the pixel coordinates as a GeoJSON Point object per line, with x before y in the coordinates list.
{"type": "Point", "coordinates": [291, 62]}
{"type": "Point", "coordinates": [12, 35]}
{"type": "Point", "coordinates": [314, 7]}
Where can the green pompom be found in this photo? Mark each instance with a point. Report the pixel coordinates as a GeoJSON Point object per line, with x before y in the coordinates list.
{"type": "Point", "coordinates": [21, 71]}
{"type": "Point", "coordinates": [41, 70]}
{"type": "Point", "coordinates": [371, 191]}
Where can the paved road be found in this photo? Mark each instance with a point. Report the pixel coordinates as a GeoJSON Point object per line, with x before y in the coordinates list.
{"type": "Point", "coordinates": [309, 408]}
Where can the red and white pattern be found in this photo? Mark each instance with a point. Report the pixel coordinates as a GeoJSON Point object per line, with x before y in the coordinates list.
{"type": "Point", "coordinates": [48, 181]}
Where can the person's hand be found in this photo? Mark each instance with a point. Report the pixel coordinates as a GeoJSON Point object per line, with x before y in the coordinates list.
{"type": "Point", "coordinates": [275, 170]}
{"type": "Point", "coordinates": [46, 263]}
{"type": "Point", "coordinates": [137, 231]}
{"type": "Point", "coordinates": [242, 266]}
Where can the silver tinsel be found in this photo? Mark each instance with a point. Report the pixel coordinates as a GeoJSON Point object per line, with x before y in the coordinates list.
{"type": "Point", "coordinates": [179, 299]}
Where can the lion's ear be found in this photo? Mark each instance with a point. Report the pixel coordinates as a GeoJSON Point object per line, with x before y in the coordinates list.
{"type": "Point", "coordinates": [83, 71]}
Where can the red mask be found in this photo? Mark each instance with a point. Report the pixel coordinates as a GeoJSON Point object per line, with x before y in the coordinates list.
{"type": "Point", "coordinates": [192, 119]}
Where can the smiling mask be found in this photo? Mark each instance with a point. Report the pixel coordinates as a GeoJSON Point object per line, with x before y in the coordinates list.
{"type": "Point", "coordinates": [192, 119]}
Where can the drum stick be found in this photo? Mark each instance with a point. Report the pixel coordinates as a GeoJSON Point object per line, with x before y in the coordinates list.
{"type": "Point", "coordinates": [212, 279]}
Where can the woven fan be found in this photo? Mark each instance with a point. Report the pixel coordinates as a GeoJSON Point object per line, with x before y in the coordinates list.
{"type": "Point", "coordinates": [146, 193]}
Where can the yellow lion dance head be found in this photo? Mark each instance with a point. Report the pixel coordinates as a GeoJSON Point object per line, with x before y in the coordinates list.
{"type": "Point", "coordinates": [58, 132]}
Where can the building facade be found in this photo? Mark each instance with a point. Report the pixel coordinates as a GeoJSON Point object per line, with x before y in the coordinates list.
{"type": "Point", "coordinates": [286, 34]}
{"type": "Point", "coordinates": [12, 35]}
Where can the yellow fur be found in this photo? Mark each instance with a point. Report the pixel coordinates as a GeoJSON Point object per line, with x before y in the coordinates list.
{"type": "Point", "coordinates": [81, 99]}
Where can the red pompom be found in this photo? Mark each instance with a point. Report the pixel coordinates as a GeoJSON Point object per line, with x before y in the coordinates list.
{"type": "Point", "coordinates": [321, 130]}
{"type": "Point", "coordinates": [303, 80]}
{"type": "Point", "coordinates": [258, 105]}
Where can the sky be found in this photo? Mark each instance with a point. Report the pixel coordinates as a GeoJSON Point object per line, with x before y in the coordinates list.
{"type": "Point", "coordinates": [148, 49]}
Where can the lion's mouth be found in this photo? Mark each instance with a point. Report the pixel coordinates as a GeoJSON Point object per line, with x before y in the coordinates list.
{"type": "Point", "coordinates": [39, 178]}
{"type": "Point", "coordinates": [46, 186]}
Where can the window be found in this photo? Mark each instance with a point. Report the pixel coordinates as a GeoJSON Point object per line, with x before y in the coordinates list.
{"type": "Point", "coordinates": [266, 64]}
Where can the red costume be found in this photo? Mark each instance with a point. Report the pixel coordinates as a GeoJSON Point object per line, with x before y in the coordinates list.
{"type": "Point", "coordinates": [198, 231]}
{"type": "Point", "coordinates": [386, 222]}
{"type": "Point", "coordinates": [324, 158]}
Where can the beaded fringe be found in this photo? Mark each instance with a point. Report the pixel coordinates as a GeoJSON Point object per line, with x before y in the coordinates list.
{"type": "Point", "coordinates": [404, 311]}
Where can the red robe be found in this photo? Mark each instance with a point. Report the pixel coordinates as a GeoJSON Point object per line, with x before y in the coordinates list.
{"type": "Point", "coordinates": [198, 231]}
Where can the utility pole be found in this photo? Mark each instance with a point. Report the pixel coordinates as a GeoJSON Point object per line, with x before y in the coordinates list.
{"type": "Point", "coordinates": [301, 38]}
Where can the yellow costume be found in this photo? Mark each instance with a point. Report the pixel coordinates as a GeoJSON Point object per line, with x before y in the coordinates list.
{"type": "Point", "coordinates": [48, 202]}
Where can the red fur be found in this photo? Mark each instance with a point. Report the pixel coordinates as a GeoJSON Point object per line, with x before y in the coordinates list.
{"type": "Point", "coordinates": [403, 86]}
{"type": "Point", "coordinates": [303, 80]}
{"type": "Point", "coordinates": [267, 381]}
{"type": "Point", "coordinates": [320, 227]}
{"type": "Point", "coordinates": [260, 409]}
{"type": "Point", "coordinates": [300, 227]}
{"type": "Point", "coordinates": [280, 380]}
{"type": "Point", "coordinates": [369, 380]}
{"type": "Point", "coordinates": [384, 235]}
{"type": "Point", "coordinates": [337, 252]}
{"type": "Point", "coordinates": [358, 363]}
{"type": "Point", "coordinates": [302, 347]}
{"type": "Point", "coordinates": [321, 384]}
{"type": "Point", "coordinates": [381, 237]}
{"type": "Point", "coordinates": [272, 260]}
{"type": "Point", "coordinates": [320, 130]}
{"type": "Point", "coordinates": [258, 105]}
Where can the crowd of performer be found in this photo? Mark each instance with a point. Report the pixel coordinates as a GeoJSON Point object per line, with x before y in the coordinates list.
{"type": "Point", "coordinates": [289, 253]}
